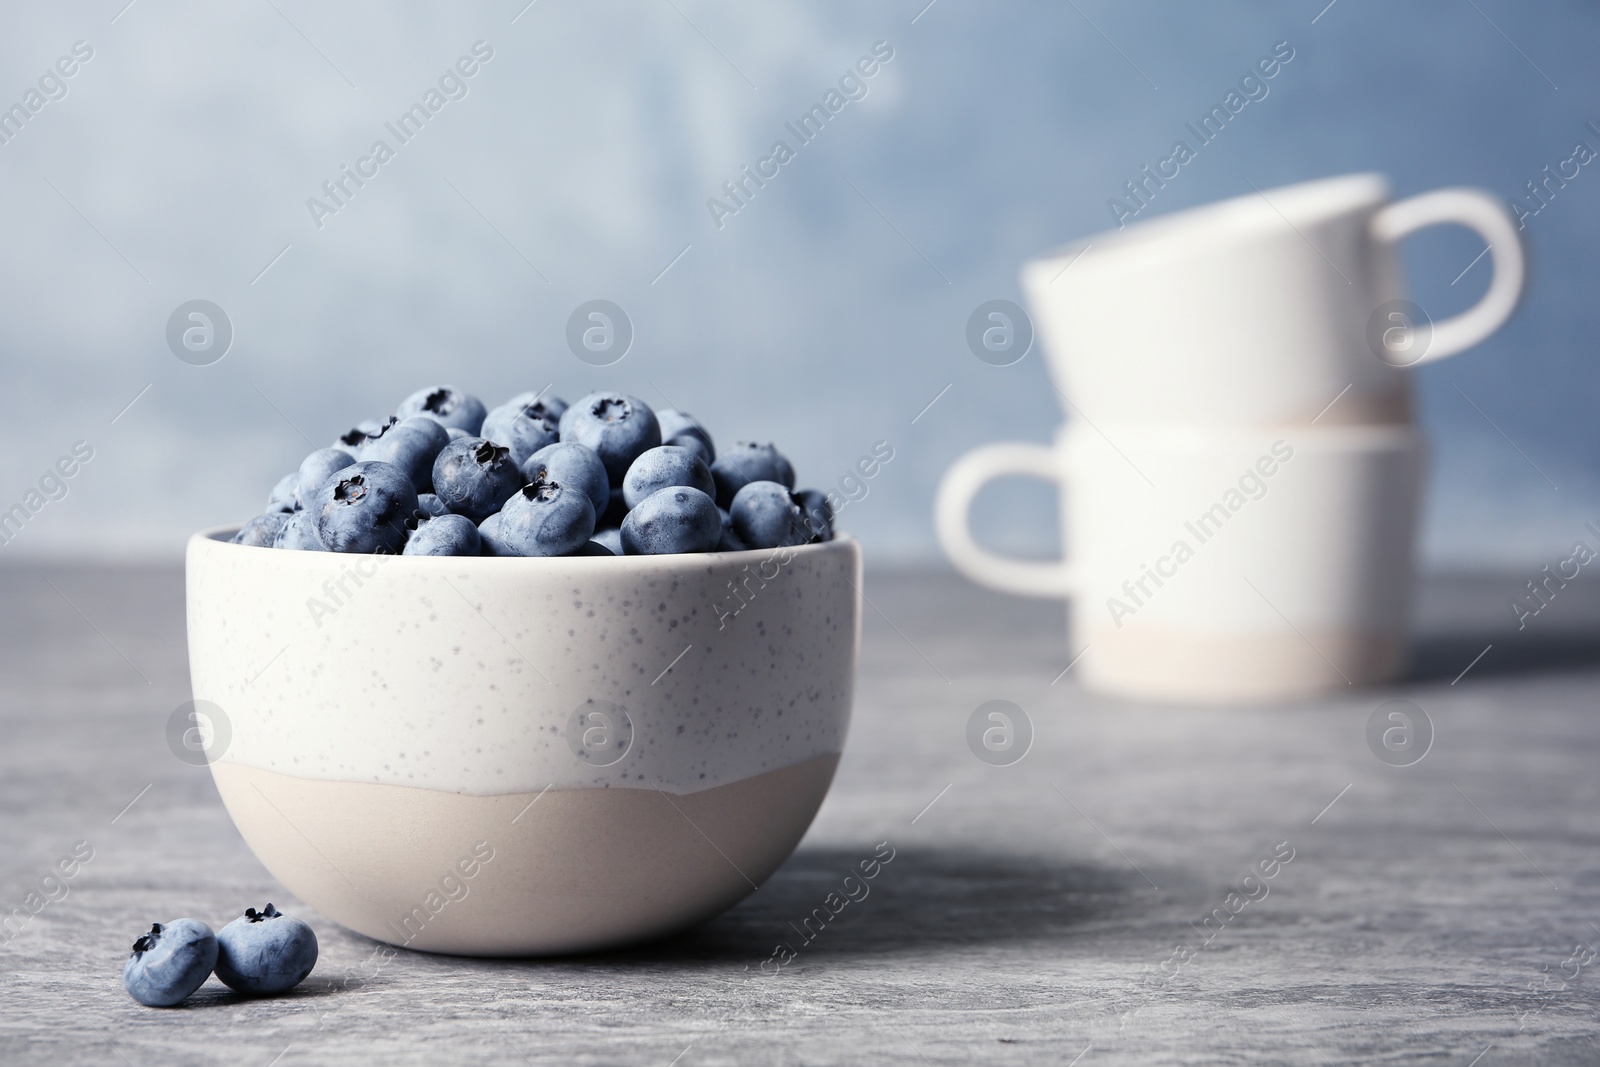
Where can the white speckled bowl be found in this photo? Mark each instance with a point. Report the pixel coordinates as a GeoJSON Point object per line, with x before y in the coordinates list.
{"type": "Point", "coordinates": [494, 756]}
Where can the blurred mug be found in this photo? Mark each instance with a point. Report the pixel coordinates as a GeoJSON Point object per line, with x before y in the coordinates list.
{"type": "Point", "coordinates": [1215, 564]}
{"type": "Point", "coordinates": [1263, 309]}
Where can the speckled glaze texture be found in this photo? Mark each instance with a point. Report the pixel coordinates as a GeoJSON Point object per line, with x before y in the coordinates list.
{"type": "Point", "coordinates": [465, 674]}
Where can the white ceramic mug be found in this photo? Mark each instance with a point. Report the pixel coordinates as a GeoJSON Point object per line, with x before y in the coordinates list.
{"type": "Point", "coordinates": [1215, 564]}
{"type": "Point", "coordinates": [1262, 309]}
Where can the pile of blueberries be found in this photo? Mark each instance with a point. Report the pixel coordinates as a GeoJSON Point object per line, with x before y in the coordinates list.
{"type": "Point", "coordinates": [260, 953]}
{"type": "Point", "coordinates": [606, 476]}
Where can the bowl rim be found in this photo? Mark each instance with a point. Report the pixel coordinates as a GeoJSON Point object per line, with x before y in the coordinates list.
{"type": "Point", "coordinates": [214, 538]}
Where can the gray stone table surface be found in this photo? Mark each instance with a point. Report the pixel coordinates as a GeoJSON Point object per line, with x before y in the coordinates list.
{"type": "Point", "coordinates": [1051, 911]}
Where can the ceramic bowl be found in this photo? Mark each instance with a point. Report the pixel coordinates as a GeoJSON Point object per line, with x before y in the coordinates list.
{"type": "Point", "coordinates": [505, 757]}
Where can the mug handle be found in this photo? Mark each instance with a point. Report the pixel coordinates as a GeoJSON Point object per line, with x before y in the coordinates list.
{"type": "Point", "coordinates": [953, 508]}
{"type": "Point", "coordinates": [1479, 211]}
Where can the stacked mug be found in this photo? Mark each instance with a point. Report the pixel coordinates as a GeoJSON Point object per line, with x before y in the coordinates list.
{"type": "Point", "coordinates": [1240, 474]}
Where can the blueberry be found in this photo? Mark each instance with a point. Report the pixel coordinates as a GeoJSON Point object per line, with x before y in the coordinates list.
{"type": "Point", "coordinates": [490, 542]}
{"type": "Point", "coordinates": [547, 519]}
{"type": "Point", "coordinates": [706, 453]}
{"type": "Point", "coordinates": [662, 466]}
{"type": "Point", "coordinates": [617, 427]}
{"type": "Point", "coordinates": [574, 465]}
{"type": "Point", "coordinates": [552, 404]}
{"type": "Point", "coordinates": [523, 428]}
{"type": "Point", "coordinates": [410, 444]}
{"type": "Point", "coordinates": [474, 477]}
{"type": "Point", "coordinates": [352, 439]}
{"type": "Point", "coordinates": [748, 462]}
{"type": "Point", "coordinates": [818, 513]}
{"type": "Point", "coordinates": [285, 494]}
{"type": "Point", "coordinates": [300, 533]}
{"type": "Point", "coordinates": [676, 425]}
{"type": "Point", "coordinates": [170, 962]}
{"type": "Point", "coordinates": [609, 539]}
{"type": "Point", "coordinates": [675, 519]}
{"type": "Point", "coordinates": [444, 535]}
{"type": "Point", "coordinates": [265, 952]}
{"type": "Point", "coordinates": [364, 508]}
{"type": "Point", "coordinates": [446, 406]}
{"type": "Point", "coordinates": [428, 504]}
{"type": "Point", "coordinates": [317, 468]}
{"type": "Point", "coordinates": [767, 515]}
{"type": "Point", "coordinates": [730, 541]}
{"type": "Point", "coordinates": [261, 530]}
{"type": "Point", "coordinates": [592, 547]}
{"type": "Point", "coordinates": [456, 433]}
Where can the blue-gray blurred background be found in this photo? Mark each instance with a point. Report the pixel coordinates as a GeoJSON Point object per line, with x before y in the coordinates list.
{"type": "Point", "coordinates": [824, 315]}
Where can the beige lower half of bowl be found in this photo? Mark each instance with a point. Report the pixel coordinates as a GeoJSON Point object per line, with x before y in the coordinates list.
{"type": "Point", "coordinates": [521, 874]}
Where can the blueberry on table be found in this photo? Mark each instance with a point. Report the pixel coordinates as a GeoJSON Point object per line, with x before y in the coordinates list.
{"type": "Point", "coordinates": [443, 535]}
{"type": "Point", "coordinates": [265, 952]}
{"type": "Point", "coordinates": [410, 444]}
{"type": "Point", "coordinates": [748, 462]}
{"type": "Point", "coordinates": [546, 519]}
{"type": "Point", "coordinates": [609, 539]}
{"type": "Point", "coordinates": [523, 428]}
{"type": "Point", "coordinates": [617, 427]}
{"type": "Point", "coordinates": [571, 464]}
{"type": "Point", "coordinates": [665, 465]}
{"type": "Point", "coordinates": [285, 495]}
{"type": "Point", "coordinates": [317, 468]}
{"type": "Point", "coordinates": [676, 426]}
{"type": "Point", "coordinates": [445, 405]}
{"type": "Point", "coordinates": [300, 533]}
{"type": "Point", "coordinates": [170, 962]}
{"type": "Point", "coordinates": [767, 515]}
{"type": "Point", "coordinates": [474, 477]}
{"type": "Point", "coordinates": [364, 508]}
{"type": "Point", "coordinates": [675, 519]}
{"type": "Point", "coordinates": [262, 530]}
